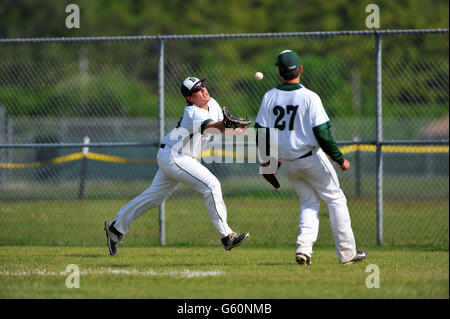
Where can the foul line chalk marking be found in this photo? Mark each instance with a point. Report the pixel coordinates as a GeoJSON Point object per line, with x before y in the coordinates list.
{"type": "Point", "coordinates": [171, 273]}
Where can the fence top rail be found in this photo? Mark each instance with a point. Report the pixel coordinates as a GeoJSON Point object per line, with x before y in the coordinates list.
{"type": "Point", "coordinates": [222, 36]}
{"type": "Point", "coordinates": [156, 144]}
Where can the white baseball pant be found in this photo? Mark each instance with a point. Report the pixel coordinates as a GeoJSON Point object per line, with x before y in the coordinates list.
{"type": "Point", "coordinates": [314, 178]}
{"type": "Point", "coordinates": [175, 169]}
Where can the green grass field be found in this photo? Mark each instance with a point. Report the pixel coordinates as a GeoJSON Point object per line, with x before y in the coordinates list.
{"type": "Point", "coordinates": [39, 238]}
{"type": "Point", "coordinates": [211, 272]}
{"type": "Point", "coordinates": [270, 220]}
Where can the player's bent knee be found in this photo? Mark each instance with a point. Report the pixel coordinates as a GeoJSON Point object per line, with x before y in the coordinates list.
{"type": "Point", "coordinates": [337, 201]}
{"type": "Point", "coordinates": [311, 205]}
{"type": "Point", "coordinates": [214, 190]}
{"type": "Point", "coordinates": [215, 186]}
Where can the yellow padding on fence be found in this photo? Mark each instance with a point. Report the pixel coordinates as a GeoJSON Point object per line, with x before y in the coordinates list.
{"type": "Point", "coordinates": [56, 160]}
{"type": "Point", "coordinates": [395, 149]}
{"type": "Point", "coordinates": [353, 148]}
{"type": "Point", "coordinates": [210, 153]}
{"type": "Point", "coordinates": [414, 149]}
{"type": "Point", "coordinates": [122, 160]}
{"type": "Point", "coordinates": [117, 159]}
{"type": "Point", "coordinates": [76, 157]}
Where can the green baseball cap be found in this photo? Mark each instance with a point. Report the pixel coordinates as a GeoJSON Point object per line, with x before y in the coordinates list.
{"type": "Point", "coordinates": [287, 60]}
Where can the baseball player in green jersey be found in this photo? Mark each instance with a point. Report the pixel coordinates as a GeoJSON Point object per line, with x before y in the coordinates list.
{"type": "Point", "coordinates": [296, 117]}
{"type": "Point", "coordinates": [177, 161]}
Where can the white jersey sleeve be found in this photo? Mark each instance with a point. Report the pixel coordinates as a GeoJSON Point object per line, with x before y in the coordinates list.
{"type": "Point", "coordinates": [262, 119]}
{"type": "Point", "coordinates": [187, 136]}
{"type": "Point", "coordinates": [196, 117]}
{"type": "Point", "coordinates": [317, 111]}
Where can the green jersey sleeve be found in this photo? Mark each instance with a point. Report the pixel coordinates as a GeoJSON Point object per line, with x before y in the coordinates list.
{"type": "Point", "coordinates": [326, 141]}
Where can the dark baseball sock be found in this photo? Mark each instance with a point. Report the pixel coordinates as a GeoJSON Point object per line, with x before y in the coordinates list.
{"type": "Point", "coordinates": [114, 230]}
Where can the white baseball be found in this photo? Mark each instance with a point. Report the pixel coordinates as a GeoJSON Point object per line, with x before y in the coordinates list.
{"type": "Point", "coordinates": [259, 76]}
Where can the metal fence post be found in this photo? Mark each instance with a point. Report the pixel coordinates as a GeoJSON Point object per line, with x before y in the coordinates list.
{"type": "Point", "coordinates": [162, 207]}
{"type": "Point", "coordinates": [85, 151]}
{"type": "Point", "coordinates": [379, 139]}
{"type": "Point", "coordinates": [2, 141]}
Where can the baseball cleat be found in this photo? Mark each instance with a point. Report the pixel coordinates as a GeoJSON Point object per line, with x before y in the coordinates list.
{"type": "Point", "coordinates": [112, 237]}
{"type": "Point", "coordinates": [303, 259]}
{"type": "Point", "coordinates": [360, 256]}
{"type": "Point", "coordinates": [233, 240]}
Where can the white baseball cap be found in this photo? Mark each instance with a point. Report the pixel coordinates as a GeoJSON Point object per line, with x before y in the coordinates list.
{"type": "Point", "coordinates": [188, 84]}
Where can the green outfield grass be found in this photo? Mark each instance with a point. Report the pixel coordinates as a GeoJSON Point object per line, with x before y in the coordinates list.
{"type": "Point", "coordinates": [249, 184]}
{"type": "Point", "coordinates": [272, 221]}
{"type": "Point", "coordinates": [39, 238]}
{"type": "Point", "coordinates": [245, 272]}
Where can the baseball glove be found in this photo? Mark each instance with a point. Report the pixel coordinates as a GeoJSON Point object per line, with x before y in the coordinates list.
{"type": "Point", "coordinates": [271, 178]}
{"type": "Point", "coordinates": [231, 121]}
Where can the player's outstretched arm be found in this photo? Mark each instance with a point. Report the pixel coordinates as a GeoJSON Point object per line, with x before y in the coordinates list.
{"type": "Point", "coordinates": [219, 128]}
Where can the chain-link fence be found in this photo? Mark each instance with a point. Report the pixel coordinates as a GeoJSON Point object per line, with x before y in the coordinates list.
{"type": "Point", "coordinates": [123, 94]}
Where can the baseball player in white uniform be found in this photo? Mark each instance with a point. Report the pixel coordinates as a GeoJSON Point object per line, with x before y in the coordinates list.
{"type": "Point", "coordinates": [296, 116]}
{"type": "Point", "coordinates": [177, 161]}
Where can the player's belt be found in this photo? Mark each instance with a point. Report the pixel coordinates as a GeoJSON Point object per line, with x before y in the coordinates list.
{"type": "Point", "coordinates": [306, 155]}
{"type": "Point", "coordinates": [162, 145]}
